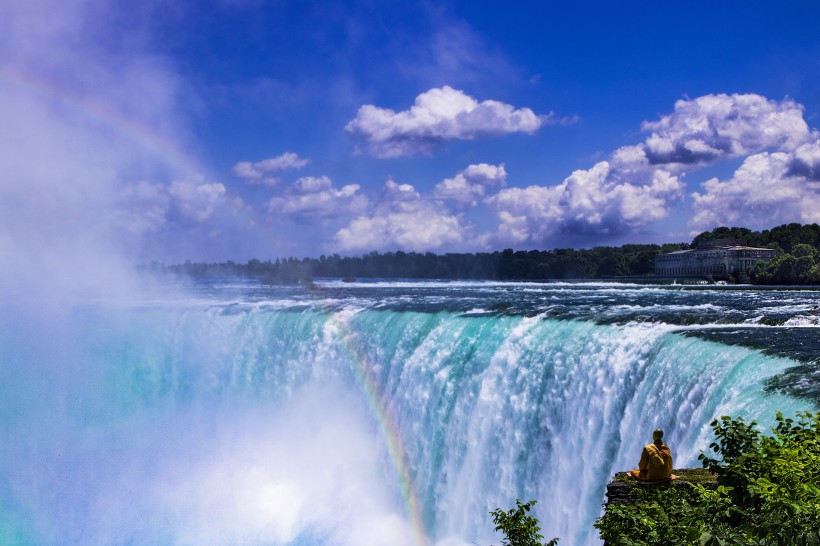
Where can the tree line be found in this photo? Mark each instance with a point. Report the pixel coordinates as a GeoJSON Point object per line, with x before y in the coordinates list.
{"type": "Point", "coordinates": [797, 261]}
{"type": "Point", "coordinates": [567, 263]}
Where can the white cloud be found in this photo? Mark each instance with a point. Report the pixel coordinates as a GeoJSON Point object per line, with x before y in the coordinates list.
{"type": "Point", "coordinates": [805, 161]}
{"type": "Point", "coordinates": [766, 190]}
{"type": "Point", "coordinates": [145, 207]}
{"type": "Point", "coordinates": [416, 231]}
{"type": "Point", "coordinates": [199, 201]}
{"type": "Point", "coordinates": [469, 185]}
{"type": "Point", "coordinates": [315, 196]}
{"type": "Point", "coordinates": [527, 213]}
{"type": "Point", "coordinates": [637, 184]}
{"type": "Point", "coordinates": [596, 201]}
{"type": "Point", "coordinates": [262, 172]}
{"type": "Point", "coordinates": [438, 115]}
{"type": "Point", "coordinates": [308, 184]}
{"type": "Point", "coordinates": [714, 126]}
{"type": "Point", "coordinates": [399, 197]}
{"type": "Point", "coordinates": [403, 219]}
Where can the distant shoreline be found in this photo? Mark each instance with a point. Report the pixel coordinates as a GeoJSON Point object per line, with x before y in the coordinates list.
{"type": "Point", "coordinates": [796, 263]}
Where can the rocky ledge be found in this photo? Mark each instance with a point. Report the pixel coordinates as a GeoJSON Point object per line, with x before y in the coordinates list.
{"type": "Point", "coordinates": [619, 490]}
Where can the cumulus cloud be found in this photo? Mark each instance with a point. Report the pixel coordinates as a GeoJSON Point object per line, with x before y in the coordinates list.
{"type": "Point", "coordinates": [262, 172]}
{"type": "Point", "coordinates": [805, 160]}
{"type": "Point", "coordinates": [468, 186]}
{"type": "Point", "coordinates": [308, 184]}
{"type": "Point", "coordinates": [714, 126]}
{"type": "Point", "coordinates": [437, 115]}
{"type": "Point", "coordinates": [399, 197]}
{"type": "Point", "coordinates": [622, 194]}
{"type": "Point", "coordinates": [416, 231]}
{"type": "Point", "coordinates": [144, 207]}
{"type": "Point", "coordinates": [766, 190]}
{"type": "Point", "coordinates": [316, 196]}
{"type": "Point", "coordinates": [403, 219]}
{"type": "Point", "coordinates": [637, 184]}
{"type": "Point", "coordinates": [592, 201]}
{"type": "Point", "coordinates": [199, 201]}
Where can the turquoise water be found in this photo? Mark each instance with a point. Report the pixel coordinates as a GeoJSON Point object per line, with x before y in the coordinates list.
{"type": "Point", "coordinates": [229, 412]}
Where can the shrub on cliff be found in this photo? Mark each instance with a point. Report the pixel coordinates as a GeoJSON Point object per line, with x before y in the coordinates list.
{"type": "Point", "coordinates": [767, 492]}
{"type": "Point", "coordinates": [519, 527]}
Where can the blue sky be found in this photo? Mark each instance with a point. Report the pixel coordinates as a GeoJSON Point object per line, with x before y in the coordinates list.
{"type": "Point", "coordinates": [236, 129]}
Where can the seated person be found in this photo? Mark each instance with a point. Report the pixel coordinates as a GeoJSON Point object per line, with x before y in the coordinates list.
{"type": "Point", "coordinates": [656, 461]}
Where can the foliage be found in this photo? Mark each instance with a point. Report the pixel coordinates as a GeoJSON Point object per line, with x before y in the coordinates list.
{"type": "Point", "coordinates": [519, 527]}
{"type": "Point", "coordinates": [767, 492]}
{"type": "Point", "coordinates": [652, 519]}
{"type": "Point", "coordinates": [785, 237]}
{"type": "Point", "coordinates": [801, 268]}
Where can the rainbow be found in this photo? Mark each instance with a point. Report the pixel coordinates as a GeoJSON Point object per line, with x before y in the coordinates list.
{"type": "Point", "coordinates": [97, 109]}
{"type": "Point", "coordinates": [387, 425]}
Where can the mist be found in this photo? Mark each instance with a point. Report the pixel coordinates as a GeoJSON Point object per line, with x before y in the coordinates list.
{"type": "Point", "coordinates": [102, 440]}
{"type": "Point", "coordinates": [94, 167]}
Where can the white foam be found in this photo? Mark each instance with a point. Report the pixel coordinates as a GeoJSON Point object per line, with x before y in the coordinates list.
{"type": "Point", "coordinates": [803, 320]}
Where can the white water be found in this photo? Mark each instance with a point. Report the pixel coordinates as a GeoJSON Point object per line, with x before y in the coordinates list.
{"type": "Point", "coordinates": [248, 423]}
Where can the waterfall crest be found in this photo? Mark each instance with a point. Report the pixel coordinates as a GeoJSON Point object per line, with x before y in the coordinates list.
{"type": "Point", "coordinates": [255, 424]}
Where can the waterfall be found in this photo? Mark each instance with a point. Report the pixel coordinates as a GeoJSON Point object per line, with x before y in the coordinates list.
{"type": "Point", "coordinates": [346, 424]}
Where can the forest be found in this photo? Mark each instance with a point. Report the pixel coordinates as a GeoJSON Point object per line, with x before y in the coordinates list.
{"type": "Point", "coordinates": [797, 262]}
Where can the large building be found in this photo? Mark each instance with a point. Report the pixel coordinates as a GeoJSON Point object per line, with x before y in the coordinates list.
{"type": "Point", "coordinates": [718, 259]}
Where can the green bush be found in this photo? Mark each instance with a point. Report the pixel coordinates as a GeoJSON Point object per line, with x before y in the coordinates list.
{"type": "Point", "coordinates": [519, 527]}
{"type": "Point", "coordinates": [767, 493]}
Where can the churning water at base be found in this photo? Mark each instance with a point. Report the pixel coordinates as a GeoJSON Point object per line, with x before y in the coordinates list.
{"type": "Point", "coordinates": [366, 414]}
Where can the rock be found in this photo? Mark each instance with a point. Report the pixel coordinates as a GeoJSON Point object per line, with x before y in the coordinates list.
{"type": "Point", "coordinates": [619, 490]}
